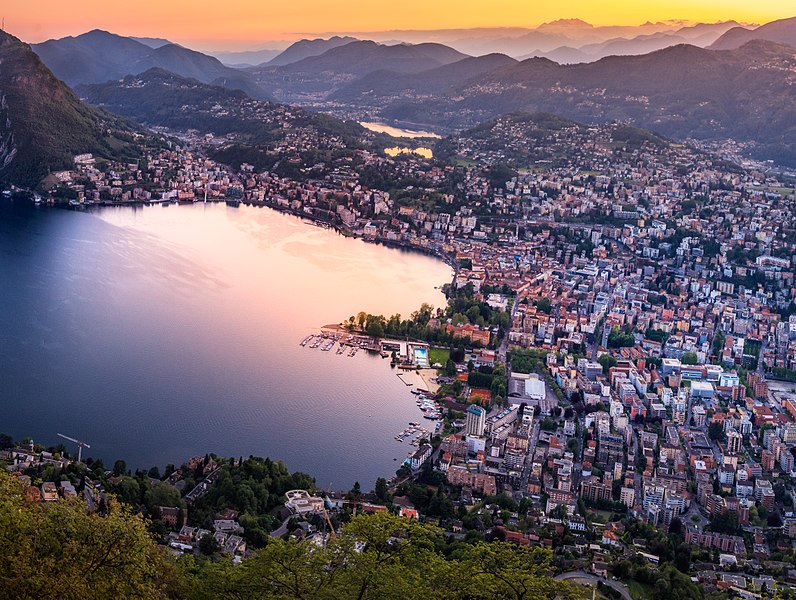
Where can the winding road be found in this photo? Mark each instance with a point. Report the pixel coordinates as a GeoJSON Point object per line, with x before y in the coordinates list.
{"type": "Point", "coordinates": [584, 576]}
{"type": "Point", "coordinates": [282, 529]}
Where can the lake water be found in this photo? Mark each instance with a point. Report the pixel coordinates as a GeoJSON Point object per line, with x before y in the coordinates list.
{"type": "Point", "coordinates": [397, 131]}
{"type": "Point", "coordinates": [158, 333]}
{"type": "Point", "coordinates": [421, 151]}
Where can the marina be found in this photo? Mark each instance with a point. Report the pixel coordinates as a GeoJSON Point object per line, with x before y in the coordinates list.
{"type": "Point", "coordinates": [430, 409]}
{"type": "Point", "coordinates": [415, 434]}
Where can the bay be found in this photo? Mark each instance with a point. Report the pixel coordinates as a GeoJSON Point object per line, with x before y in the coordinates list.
{"type": "Point", "coordinates": [158, 333]}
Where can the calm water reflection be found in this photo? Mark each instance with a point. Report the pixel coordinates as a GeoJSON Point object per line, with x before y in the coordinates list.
{"type": "Point", "coordinates": [158, 333]}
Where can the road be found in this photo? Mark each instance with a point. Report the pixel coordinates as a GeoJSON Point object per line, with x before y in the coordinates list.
{"type": "Point", "coordinates": [601, 338]}
{"type": "Point", "coordinates": [638, 490]}
{"type": "Point", "coordinates": [282, 529]}
{"type": "Point", "coordinates": [502, 351]}
{"type": "Point", "coordinates": [760, 369]}
{"type": "Point", "coordinates": [526, 470]}
{"type": "Point", "coordinates": [583, 576]}
{"type": "Point", "coordinates": [693, 509]}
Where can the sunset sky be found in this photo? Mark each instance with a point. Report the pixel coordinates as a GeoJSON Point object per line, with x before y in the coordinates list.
{"type": "Point", "coordinates": [238, 24]}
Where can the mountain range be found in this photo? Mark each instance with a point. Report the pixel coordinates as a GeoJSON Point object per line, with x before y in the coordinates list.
{"type": "Point", "coordinates": [247, 58]}
{"type": "Point", "coordinates": [99, 56]}
{"type": "Point", "coordinates": [160, 98]}
{"type": "Point", "coordinates": [782, 31]}
{"type": "Point", "coordinates": [314, 77]}
{"type": "Point", "coordinates": [702, 35]}
{"type": "Point", "coordinates": [43, 124]}
{"type": "Point", "coordinates": [307, 48]}
{"type": "Point", "coordinates": [683, 91]}
{"type": "Point", "coordinates": [742, 87]}
{"type": "Point", "coordinates": [564, 41]}
{"type": "Point", "coordinates": [558, 39]}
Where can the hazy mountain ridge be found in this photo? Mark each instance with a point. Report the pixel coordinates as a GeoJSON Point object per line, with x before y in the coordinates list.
{"type": "Point", "coordinates": [701, 35]}
{"type": "Point", "coordinates": [43, 124]}
{"type": "Point", "coordinates": [99, 56]}
{"type": "Point", "coordinates": [151, 42]}
{"type": "Point", "coordinates": [318, 76]}
{"type": "Point", "coordinates": [436, 80]}
{"type": "Point", "coordinates": [682, 91]}
{"type": "Point", "coordinates": [782, 31]}
{"type": "Point", "coordinates": [247, 58]}
{"type": "Point", "coordinates": [362, 57]}
{"type": "Point", "coordinates": [557, 35]}
{"type": "Point", "coordinates": [306, 48]}
{"type": "Point", "coordinates": [160, 98]}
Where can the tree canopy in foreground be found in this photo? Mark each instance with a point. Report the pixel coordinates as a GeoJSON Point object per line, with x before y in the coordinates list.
{"type": "Point", "coordinates": [59, 550]}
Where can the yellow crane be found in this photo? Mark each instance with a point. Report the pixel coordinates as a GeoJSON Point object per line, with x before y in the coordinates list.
{"type": "Point", "coordinates": [329, 524]}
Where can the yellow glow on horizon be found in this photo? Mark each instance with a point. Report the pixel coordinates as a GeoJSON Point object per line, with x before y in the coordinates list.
{"type": "Point", "coordinates": [242, 23]}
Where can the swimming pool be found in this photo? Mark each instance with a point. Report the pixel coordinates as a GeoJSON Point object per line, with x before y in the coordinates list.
{"type": "Point", "coordinates": [421, 357]}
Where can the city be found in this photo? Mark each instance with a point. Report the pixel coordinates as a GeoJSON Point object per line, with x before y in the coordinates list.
{"type": "Point", "coordinates": [608, 381]}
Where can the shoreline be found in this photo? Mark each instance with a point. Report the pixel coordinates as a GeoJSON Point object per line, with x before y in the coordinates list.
{"type": "Point", "coordinates": [326, 223]}
{"type": "Point", "coordinates": [317, 220]}
{"type": "Point", "coordinates": [414, 380]}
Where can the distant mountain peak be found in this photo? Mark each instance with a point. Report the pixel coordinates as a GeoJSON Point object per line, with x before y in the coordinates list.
{"type": "Point", "coordinates": [98, 56]}
{"type": "Point", "coordinates": [43, 124]}
{"type": "Point", "coordinates": [782, 31]}
{"type": "Point", "coordinates": [560, 24]}
{"type": "Point", "coordinates": [309, 47]}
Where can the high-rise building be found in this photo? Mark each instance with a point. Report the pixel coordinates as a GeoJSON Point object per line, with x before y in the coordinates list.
{"type": "Point", "coordinates": [593, 489]}
{"type": "Point", "coordinates": [610, 448]}
{"type": "Point", "coordinates": [786, 462]}
{"type": "Point", "coordinates": [653, 494]}
{"type": "Point", "coordinates": [627, 496]}
{"type": "Point", "coordinates": [476, 420]}
{"type": "Point", "coordinates": [734, 441]}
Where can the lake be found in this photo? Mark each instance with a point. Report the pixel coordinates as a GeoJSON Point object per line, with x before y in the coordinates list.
{"type": "Point", "coordinates": [159, 333]}
{"type": "Point", "coordinates": [420, 151]}
{"type": "Point", "coordinates": [397, 131]}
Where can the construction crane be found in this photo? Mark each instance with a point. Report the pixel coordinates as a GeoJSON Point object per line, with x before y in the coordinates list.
{"type": "Point", "coordinates": [80, 446]}
{"type": "Point", "coordinates": [329, 523]}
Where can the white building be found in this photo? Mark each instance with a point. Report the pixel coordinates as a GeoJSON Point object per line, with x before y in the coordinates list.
{"type": "Point", "coordinates": [301, 503]}
{"type": "Point", "coordinates": [535, 389]}
{"type": "Point", "coordinates": [476, 420]}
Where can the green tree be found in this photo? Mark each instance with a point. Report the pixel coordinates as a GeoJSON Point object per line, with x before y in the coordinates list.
{"type": "Point", "coordinates": [450, 368]}
{"type": "Point", "coordinates": [375, 328]}
{"type": "Point", "coordinates": [544, 305]}
{"type": "Point", "coordinates": [716, 431]}
{"type": "Point", "coordinates": [59, 550]}
{"type": "Point", "coordinates": [503, 570]}
{"type": "Point", "coordinates": [209, 545]}
{"type": "Point", "coordinates": [162, 494]}
{"type": "Point", "coordinates": [607, 361]}
{"type": "Point", "coordinates": [689, 358]}
{"type": "Point", "coordinates": [382, 492]}
{"type": "Point", "coordinates": [356, 491]}
{"type": "Point", "coordinates": [397, 555]}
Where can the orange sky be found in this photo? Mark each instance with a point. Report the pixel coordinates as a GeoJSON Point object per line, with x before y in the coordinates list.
{"type": "Point", "coordinates": [249, 23]}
